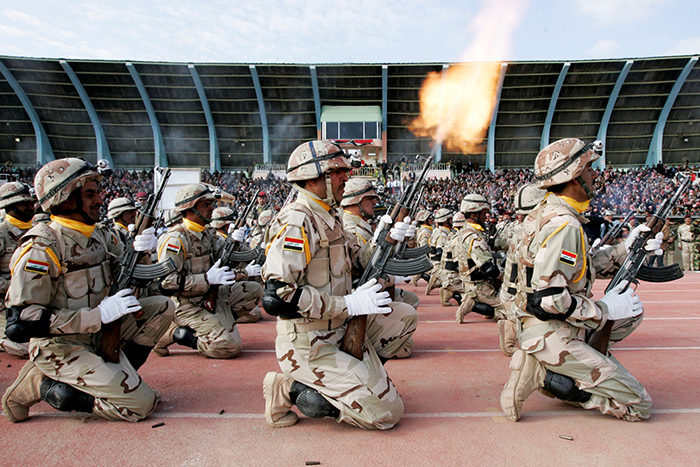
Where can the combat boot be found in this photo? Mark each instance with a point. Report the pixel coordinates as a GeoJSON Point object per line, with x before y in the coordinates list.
{"type": "Point", "coordinates": [24, 393]}
{"type": "Point", "coordinates": [278, 404]}
{"type": "Point", "coordinates": [526, 376]}
{"type": "Point", "coordinates": [464, 309]}
{"type": "Point", "coordinates": [432, 283]}
{"type": "Point", "coordinates": [445, 296]}
{"type": "Point", "coordinates": [507, 336]}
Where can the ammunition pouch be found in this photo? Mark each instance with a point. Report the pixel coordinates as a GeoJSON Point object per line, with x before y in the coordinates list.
{"type": "Point", "coordinates": [452, 265]}
{"type": "Point", "coordinates": [534, 301]}
{"type": "Point", "coordinates": [276, 306]}
{"type": "Point", "coordinates": [20, 331]}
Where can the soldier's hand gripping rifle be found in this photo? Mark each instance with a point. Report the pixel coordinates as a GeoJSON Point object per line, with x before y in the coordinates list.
{"type": "Point", "coordinates": [136, 271]}
{"type": "Point", "coordinates": [231, 255]}
{"type": "Point", "coordinates": [633, 268]}
{"type": "Point", "coordinates": [381, 264]}
{"type": "Point", "coordinates": [402, 251]}
{"type": "Point", "coordinates": [612, 234]}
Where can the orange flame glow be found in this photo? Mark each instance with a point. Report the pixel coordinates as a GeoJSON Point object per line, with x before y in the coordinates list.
{"type": "Point", "coordinates": [456, 106]}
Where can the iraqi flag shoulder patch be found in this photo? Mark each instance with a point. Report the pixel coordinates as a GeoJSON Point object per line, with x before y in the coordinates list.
{"type": "Point", "coordinates": [172, 247]}
{"type": "Point", "coordinates": [568, 257]}
{"type": "Point", "coordinates": [36, 266]}
{"type": "Point", "coordinates": [293, 244]}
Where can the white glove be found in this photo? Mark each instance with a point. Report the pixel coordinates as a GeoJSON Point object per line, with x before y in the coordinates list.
{"type": "Point", "coordinates": [217, 275]}
{"type": "Point", "coordinates": [238, 235]}
{"type": "Point", "coordinates": [117, 305]}
{"type": "Point", "coordinates": [595, 243]}
{"type": "Point", "coordinates": [621, 304]}
{"type": "Point", "coordinates": [146, 241]}
{"type": "Point", "coordinates": [411, 232]}
{"type": "Point", "coordinates": [398, 231]}
{"type": "Point", "coordinates": [654, 244]}
{"type": "Point", "coordinates": [398, 279]}
{"type": "Point", "coordinates": [634, 234]}
{"type": "Point", "coordinates": [368, 300]}
{"type": "Point", "coordinates": [253, 269]}
{"type": "Point", "coordinates": [383, 222]}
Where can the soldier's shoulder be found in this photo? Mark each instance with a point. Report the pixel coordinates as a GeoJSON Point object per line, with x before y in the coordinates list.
{"type": "Point", "coordinates": [42, 233]}
{"type": "Point", "coordinates": [295, 215]}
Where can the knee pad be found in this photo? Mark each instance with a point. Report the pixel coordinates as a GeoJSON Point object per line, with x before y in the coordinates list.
{"type": "Point", "coordinates": [564, 388]}
{"type": "Point", "coordinates": [137, 354]}
{"type": "Point", "coordinates": [457, 296]}
{"type": "Point", "coordinates": [64, 397]}
{"type": "Point", "coordinates": [310, 402]}
{"type": "Point", "coordinates": [185, 336]}
{"type": "Point", "coordinates": [483, 309]}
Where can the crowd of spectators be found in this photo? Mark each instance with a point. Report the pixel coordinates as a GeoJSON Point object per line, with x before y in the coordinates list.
{"type": "Point", "coordinates": [619, 191]}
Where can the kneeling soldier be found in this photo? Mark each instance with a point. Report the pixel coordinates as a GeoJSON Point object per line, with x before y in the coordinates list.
{"type": "Point", "coordinates": [58, 298]}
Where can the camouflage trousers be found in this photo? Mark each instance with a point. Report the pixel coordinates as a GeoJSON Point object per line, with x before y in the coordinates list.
{"type": "Point", "coordinates": [481, 292]}
{"type": "Point", "coordinates": [119, 391]}
{"type": "Point", "coordinates": [561, 348]}
{"type": "Point", "coordinates": [13, 348]}
{"type": "Point", "coordinates": [360, 389]}
{"type": "Point", "coordinates": [404, 296]}
{"type": "Point", "coordinates": [392, 335]}
{"type": "Point", "coordinates": [217, 334]}
{"type": "Point", "coordinates": [689, 257]}
{"type": "Point", "coordinates": [451, 281]}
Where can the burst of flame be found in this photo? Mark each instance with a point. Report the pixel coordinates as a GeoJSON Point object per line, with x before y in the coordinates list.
{"type": "Point", "coordinates": [456, 106]}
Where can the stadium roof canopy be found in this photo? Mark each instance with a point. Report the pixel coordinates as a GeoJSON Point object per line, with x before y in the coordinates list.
{"type": "Point", "coordinates": [233, 115]}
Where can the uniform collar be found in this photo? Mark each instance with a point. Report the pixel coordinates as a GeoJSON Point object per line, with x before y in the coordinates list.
{"type": "Point", "coordinates": [315, 204]}
{"type": "Point", "coordinates": [74, 225]}
{"type": "Point", "coordinates": [475, 226]}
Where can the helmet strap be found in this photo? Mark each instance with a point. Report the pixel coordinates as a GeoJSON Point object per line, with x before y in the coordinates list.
{"type": "Point", "coordinates": [206, 220]}
{"type": "Point", "coordinates": [590, 193]}
{"type": "Point", "coordinates": [329, 199]}
{"type": "Point", "coordinates": [76, 194]}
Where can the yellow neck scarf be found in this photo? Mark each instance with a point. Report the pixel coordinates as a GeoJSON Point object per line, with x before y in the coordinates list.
{"type": "Point", "coordinates": [476, 226]}
{"type": "Point", "coordinates": [193, 225]}
{"type": "Point", "coordinates": [122, 226]}
{"type": "Point", "coordinates": [580, 206]}
{"type": "Point", "coordinates": [18, 223]}
{"type": "Point", "coordinates": [323, 205]}
{"type": "Point", "coordinates": [75, 225]}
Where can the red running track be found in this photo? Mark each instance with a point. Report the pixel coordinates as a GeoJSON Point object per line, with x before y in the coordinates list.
{"type": "Point", "coordinates": [212, 409]}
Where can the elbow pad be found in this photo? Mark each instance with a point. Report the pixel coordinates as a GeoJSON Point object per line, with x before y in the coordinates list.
{"type": "Point", "coordinates": [20, 331]}
{"type": "Point", "coordinates": [490, 270]}
{"type": "Point", "coordinates": [534, 305]}
{"type": "Point", "coordinates": [276, 306]}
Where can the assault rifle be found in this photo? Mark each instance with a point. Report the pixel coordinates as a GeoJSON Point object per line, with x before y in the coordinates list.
{"type": "Point", "coordinates": [136, 270]}
{"type": "Point", "coordinates": [259, 248]}
{"type": "Point", "coordinates": [633, 268]}
{"type": "Point", "coordinates": [612, 234]}
{"type": "Point", "coordinates": [402, 251]}
{"type": "Point", "coordinates": [381, 263]}
{"type": "Point", "coordinates": [231, 255]}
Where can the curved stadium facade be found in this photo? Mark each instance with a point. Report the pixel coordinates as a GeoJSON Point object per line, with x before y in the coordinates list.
{"type": "Point", "coordinates": [226, 116]}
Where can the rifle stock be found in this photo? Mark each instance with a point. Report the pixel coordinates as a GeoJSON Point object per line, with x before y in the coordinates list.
{"type": "Point", "coordinates": [354, 339]}
{"type": "Point", "coordinates": [108, 347]}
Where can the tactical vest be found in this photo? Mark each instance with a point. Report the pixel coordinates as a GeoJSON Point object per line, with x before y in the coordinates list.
{"type": "Point", "coordinates": [198, 253]}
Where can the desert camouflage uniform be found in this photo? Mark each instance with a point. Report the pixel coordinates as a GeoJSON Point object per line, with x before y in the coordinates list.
{"type": "Point", "coordinates": [194, 253]}
{"type": "Point", "coordinates": [59, 269]}
{"type": "Point", "coordinates": [449, 267]}
{"type": "Point", "coordinates": [688, 246]}
{"type": "Point", "coordinates": [437, 240]}
{"type": "Point", "coordinates": [310, 251]}
{"type": "Point", "coordinates": [553, 244]}
{"type": "Point", "coordinates": [392, 333]}
{"type": "Point", "coordinates": [473, 251]}
{"type": "Point", "coordinates": [506, 235]}
{"type": "Point", "coordinates": [9, 236]}
{"type": "Point", "coordinates": [422, 238]}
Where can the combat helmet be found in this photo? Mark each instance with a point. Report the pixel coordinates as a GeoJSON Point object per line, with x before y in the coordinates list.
{"type": "Point", "coordinates": [55, 181]}
{"type": "Point", "coordinates": [118, 206]}
{"type": "Point", "coordinates": [15, 192]}
{"type": "Point", "coordinates": [458, 219]}
{"type": "Point", "coordinates": [312, 159]}
{"type": "Point", "coordinates": [474, 203]}
{"type": "Point", "coordinates": [423, 215]}
{"type": "Point", "coordinates": [188, 196]}
{"type": "Point", "coordinates": [171, 217]}
{"type": "Point", "coordinates": [443, 215]}
{"type": "Point", "coordinates": [356, 189]}
{"type": "Point", "coordinates": [222, 216]}
{"type": "Point", "coordinates": [564, 160]}
{"type": "Point", "coordinates": [265, 217]}
{"type": "Point", "coordinates": [527, 197]}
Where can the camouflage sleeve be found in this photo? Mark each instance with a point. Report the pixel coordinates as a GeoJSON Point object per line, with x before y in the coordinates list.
{"type": "Point", "coordinates": [288, 255]}
{"type": "Point", "coordinates": [606, 261]}
{"type": "Point", "coordinates": [560, 267]}
{"type": "Point", "coordinates": [478, 249]}
{"type": "Point", "coordinates": [171, 245]}
{"type": "Point", "coordinates": [35, 279]}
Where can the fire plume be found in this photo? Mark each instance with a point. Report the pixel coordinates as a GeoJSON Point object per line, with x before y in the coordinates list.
{"type": "Point", "coordinates": [456, 105]}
